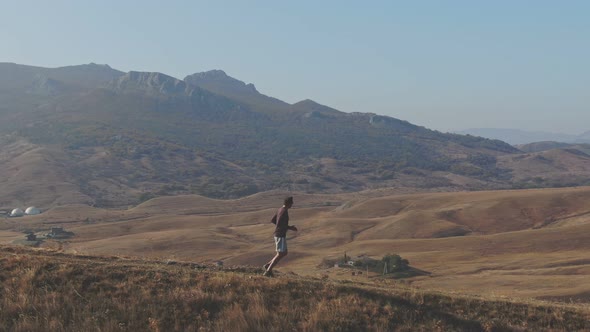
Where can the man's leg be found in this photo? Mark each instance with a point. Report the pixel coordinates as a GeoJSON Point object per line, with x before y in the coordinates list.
{"type": "Point", "coordinates": [276, 260]}
{"type": "Point", "coordinates": [281, 248]}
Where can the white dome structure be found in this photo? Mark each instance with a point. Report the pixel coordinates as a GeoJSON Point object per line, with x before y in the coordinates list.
{"type": "Point", "coordinates": [17, 213]}
{"type": "Point", "coordinates": [31, 210]}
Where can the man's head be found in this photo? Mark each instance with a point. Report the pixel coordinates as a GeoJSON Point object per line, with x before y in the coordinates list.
{"type": "Point", "coordinates": [288, 202]}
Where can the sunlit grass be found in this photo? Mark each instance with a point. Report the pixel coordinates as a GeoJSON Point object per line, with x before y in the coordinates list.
{"type": "Point", "coordinates": [48, 291]}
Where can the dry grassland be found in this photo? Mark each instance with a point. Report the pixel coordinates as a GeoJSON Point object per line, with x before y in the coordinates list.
{"type": "Point", "coordinates": [504, 244]}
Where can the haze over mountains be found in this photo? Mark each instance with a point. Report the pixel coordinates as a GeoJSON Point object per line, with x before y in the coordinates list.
{"type": "Point", "coordinates": [517, 136]}
{"type": "Point", "coordinates": [94, 135]}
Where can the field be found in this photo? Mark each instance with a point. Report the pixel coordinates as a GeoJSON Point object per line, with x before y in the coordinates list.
{"type": "Point", "coordinates": [512, 245]}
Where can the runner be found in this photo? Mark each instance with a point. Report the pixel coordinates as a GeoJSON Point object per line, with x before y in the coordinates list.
{"type": "Point", "coordinates": [281, 220]}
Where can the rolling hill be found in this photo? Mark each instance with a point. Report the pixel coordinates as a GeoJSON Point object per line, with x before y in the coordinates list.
{"type": "Point", "coordinates": [509, 243]}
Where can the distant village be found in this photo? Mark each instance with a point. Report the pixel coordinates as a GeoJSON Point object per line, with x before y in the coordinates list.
{"type": "Point", "coordinates": [33, 238]}
{"type": "Point", "coordinates": [55, 233]}
{"type": "Point", "coordinates": [391, 266]}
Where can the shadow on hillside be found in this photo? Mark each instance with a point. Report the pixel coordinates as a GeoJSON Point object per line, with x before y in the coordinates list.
{"type": "Point", "coordinates": [419, 272]}
{"type": "Point", "coordinates": [409, 273]}
{"type": "Point", "coordinates": [583, 297]}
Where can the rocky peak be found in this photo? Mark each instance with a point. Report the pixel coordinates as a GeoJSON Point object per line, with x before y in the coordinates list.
{"type": "Point", "coordinates": [215, 74]}
{"type": "Point", "coordinates": [218, 79]}
{"type": "Point", "coordinates": [85, 76]}
{"type": "Point", "coordinates": [150, 82]}
{"type": "Point", "coordinates": [308, 103]}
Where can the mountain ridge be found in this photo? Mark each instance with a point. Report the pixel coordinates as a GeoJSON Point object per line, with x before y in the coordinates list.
{"type": "Point", "coordinates": [218, 82]}
{"type": "Point", "coordinates": [146, 134]}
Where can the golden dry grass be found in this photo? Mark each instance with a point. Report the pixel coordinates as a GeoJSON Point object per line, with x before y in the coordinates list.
{"type": "Point", "coordinates": [47, 290]}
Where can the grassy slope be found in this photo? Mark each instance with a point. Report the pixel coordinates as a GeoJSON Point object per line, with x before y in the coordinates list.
{"type": "Point", "coordinates": [51, 290]}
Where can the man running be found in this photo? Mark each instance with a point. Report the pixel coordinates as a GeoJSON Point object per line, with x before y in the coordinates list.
{"type": "Point", "coordinates": [281, 219]}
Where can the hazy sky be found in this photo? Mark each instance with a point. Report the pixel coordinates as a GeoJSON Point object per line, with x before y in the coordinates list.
{"type": "Point", "coordinates": [441, 64]}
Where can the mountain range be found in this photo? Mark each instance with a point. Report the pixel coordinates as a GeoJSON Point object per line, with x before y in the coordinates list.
{"type": "Point", "coordinates": [90, 134]}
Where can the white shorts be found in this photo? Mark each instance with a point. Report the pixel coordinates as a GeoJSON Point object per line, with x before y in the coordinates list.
{"type": "Point", "coordinates": [281, 244]}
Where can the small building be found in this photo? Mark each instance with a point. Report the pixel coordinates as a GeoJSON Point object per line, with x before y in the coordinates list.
{"type": "Point", "coordinates": [59, 233]}
{"type": "Point", "coordinates": [31, 237]}
{"type": "Point", "coordinates": [56, 230]}
{"type": "Point", "coordinates": [31, 211]}
{"type": "Point", "coordinates": [17, 213]}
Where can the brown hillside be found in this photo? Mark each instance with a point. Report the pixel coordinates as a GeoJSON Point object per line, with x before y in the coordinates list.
{"type": "Point", "coordinates": [524, 243]}
{"type": "Point", "coordinates": [35, 175]}
{"type": "Point", "coordinates": [559, 165]}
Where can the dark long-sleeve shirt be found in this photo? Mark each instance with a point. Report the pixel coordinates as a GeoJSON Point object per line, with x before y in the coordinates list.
{"type": "Point", "coordinates": [281, 219]}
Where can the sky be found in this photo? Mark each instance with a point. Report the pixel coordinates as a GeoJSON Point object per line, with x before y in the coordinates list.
{"type": "Point", "coordinates": [446, 65]}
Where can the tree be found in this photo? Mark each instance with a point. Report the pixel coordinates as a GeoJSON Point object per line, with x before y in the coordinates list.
{"type": "Point", "coordinates": [393, 263]}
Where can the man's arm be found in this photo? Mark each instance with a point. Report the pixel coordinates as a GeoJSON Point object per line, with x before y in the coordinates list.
{"type": "Point", "coordinates": [293, 228]}
{"type": "Point", "coordinates": [274, 219]}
